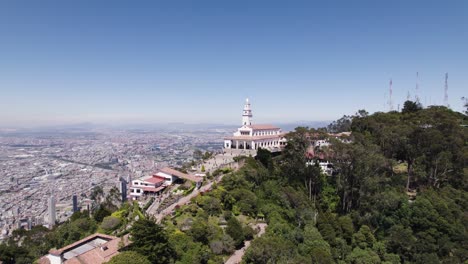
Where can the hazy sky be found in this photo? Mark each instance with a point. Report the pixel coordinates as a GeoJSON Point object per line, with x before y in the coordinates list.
{"type": "Point", "coordinates": [196, 61]}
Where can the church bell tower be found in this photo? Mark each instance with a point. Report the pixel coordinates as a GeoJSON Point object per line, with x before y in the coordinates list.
{"type": "Point", "coordinates": [247, 114]}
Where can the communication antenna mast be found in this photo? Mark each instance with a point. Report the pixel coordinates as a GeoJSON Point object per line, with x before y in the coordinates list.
{"type": "Point", "coordinates": [416, 97]}
{"type": "Point", "coordinates": [390, 102]}
{"type": "Point", "coordinates": [446, 90]}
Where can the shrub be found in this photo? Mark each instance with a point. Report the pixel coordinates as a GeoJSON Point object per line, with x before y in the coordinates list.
{"type": "Point", "coordinates": [148, 204]}
{"type": "Point", "coordinates": [110, 223]}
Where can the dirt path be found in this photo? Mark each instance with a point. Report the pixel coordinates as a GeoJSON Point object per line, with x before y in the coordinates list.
{"type": "Point", "coordinates": [238, 254]}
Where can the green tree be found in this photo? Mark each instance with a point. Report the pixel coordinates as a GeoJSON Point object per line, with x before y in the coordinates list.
{"type": "Point", "coordinates": [197, 154]}
{"type": "Point", "coordinates": [294, 162]}
{"type": "Point", "coordinates": [225, 245]}
{"type": "Point", "coordinates": [411, 107]}
{"type": "Point", "coordinates": [264, 156]}
{"type": "Point", "coordinates": [129, 257]}
{"type": "Point", "coordinates": [101, 213]}
{"type": "Point", "coordinates": [314, 246]}
{"type": "Point", "coordinates": [198, 230]}
{"type": "Point", "coordinates": [150, 240]}
{"type": "Point", "coordinates": [363, 256]}
{"type": "Point", "coordinates": [97, 193]}
{"type": "Point", "coordinates": [234, 230]}
{"type": "Point", "coordinates": [110, 223]}
{"type": "Point", "coordinates": [465, 104]}
{"type": "Point", "coordinates": [364, 238]}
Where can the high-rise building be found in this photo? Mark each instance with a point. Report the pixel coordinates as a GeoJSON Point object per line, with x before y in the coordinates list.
{"type": "Point", "coordinates": [123, 189]}
{"type": "Point", "coordinates": [51, 211]}
{"type": "Point", "coordinates": [75, 203]}
{"type": "Point", "coordinates": [16, 211]}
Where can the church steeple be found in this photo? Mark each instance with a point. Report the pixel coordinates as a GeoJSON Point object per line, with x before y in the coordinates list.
{"type": "Point", "coordinates": [247, 114]}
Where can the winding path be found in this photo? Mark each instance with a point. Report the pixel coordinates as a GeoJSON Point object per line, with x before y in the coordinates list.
{"type": "Point", "coordinates": [186, 199]}
{"type": "Point", "coordinates": [238, 254]}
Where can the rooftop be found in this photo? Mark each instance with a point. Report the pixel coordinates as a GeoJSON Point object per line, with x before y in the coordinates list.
{"type": "Point", "coordinates": [255, 137]}
{"type": "Point", "coordinates": [264, 127]}
{"type": "Point", "coordinates": [153, 179]}
{"type": "Point", "coordinates": [152, 189]}
{"type": "Point", "coordinates": [96, 248]}
{"type": "Point", "coordinates": [93, 240]}
{"type": "Point", "coordinates": [179, 174]}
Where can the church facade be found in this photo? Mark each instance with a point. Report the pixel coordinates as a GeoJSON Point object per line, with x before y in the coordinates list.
{"type": "Point", "coordinates": [252, 136]}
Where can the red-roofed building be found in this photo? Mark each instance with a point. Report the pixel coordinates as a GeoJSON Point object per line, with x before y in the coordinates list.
{"type": "Point", "coordinates": [250, 136]}
{"type": "Point", "coordinates": [155, 184]}
{"type": "Point", "coordinates": [152, 185]}
{"type": "Point", "coordinates": [96, 249]}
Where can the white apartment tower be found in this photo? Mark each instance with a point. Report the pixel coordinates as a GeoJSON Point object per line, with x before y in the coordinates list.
{"type": "Point", "coordinates": [51, 211]}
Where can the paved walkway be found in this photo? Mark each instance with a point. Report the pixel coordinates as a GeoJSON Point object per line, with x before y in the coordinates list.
{"type": "Point", "coordinates": [238, 254]}
{"type": "Point", "coordinates": [223, 160]}
{"type": "Point", "coordinates": [186, 199]}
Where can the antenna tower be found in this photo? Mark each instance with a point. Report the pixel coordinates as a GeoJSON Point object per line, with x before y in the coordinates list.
{"type": "Point", "coordinates": [446, 90]}
{"type": "Point", "coordinates": [390, 102]}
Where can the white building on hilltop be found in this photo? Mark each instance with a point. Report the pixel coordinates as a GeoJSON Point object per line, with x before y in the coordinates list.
{"type": "Point", "coordinates": [250, 136]}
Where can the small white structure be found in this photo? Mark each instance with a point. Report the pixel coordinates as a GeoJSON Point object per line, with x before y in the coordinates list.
{"type": "Point", "coordinates": [326, 167]}
{"type": "Point", "coordinates": [250, 136]}
{"type": "Point", "coordinates": [322, 143]}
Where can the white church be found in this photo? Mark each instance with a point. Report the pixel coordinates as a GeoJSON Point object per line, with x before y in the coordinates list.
{"type": "Point", "coordinates": [250, 136]}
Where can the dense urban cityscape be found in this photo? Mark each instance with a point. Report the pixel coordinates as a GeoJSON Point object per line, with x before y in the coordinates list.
{"type": "Point", "coordinates": [35, 166]}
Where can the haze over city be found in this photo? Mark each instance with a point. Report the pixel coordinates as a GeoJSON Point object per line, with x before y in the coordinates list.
{"type": "Point", "coordinates": [196, 61]}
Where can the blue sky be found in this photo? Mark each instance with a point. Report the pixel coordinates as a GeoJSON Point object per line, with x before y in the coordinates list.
{"type": "Point", "coordinates": [196, 61]}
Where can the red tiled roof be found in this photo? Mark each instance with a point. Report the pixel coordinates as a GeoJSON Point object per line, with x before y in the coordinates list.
{"type": "Point", "coordinates": [58, 252]}
{"type": "Point", "coordinates": [98, 255]}
{"type": "Point", "coordinates": [155, 179]}
{"type": "Point", "coordinates": [181, 175]}
{"type": "Point", "coordinates": [263, 127]}
{"type": "Point", "coordinates": [255, 137]}
{"type": "Point", "coordinates": [152, 189]}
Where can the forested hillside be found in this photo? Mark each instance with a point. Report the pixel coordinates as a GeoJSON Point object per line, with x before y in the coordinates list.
{"type": "Point", "coordinates": [398, 194]}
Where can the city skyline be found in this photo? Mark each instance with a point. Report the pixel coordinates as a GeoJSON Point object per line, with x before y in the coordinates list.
{"type": "Point", "coordinates": [111, 62]}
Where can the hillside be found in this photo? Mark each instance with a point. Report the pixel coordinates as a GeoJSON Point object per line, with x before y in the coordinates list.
{"type": "Point", "coordinates": [398, 194]}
